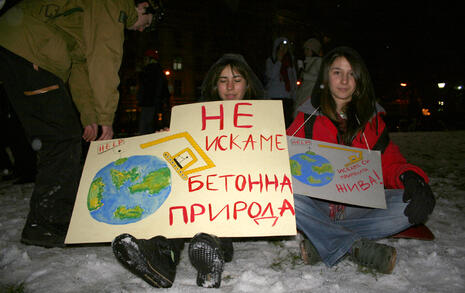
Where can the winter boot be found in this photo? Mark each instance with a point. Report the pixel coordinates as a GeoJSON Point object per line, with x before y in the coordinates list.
{"type": "Point", "coordinates": [228, 249]}
{"type": "Point", "coordinates": [43, 235]}
{"type": "Point", "coordinates": [373, 255]}
{"type": "Point", "coordinates": [154, 260]}
{"type": "Point", "coordinates": [207, 256]}
{"type": "Point", "coordinates": [308, 252]}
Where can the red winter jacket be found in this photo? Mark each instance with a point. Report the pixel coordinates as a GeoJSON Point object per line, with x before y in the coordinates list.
{"type": "Point", "coordinates": [392, 161]}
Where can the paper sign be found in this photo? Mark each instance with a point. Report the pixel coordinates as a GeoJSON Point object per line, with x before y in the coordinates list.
{"type": "Point", "coordinates": [223, 168]}
{"type": "Point", "coordinates": [336, 172]}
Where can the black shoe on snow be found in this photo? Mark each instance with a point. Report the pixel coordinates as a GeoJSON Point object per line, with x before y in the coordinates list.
{"type": "Point", "coordinates": [374, 255]}
{"type": "Point", "coordinates": [153, 260]}
{"type": "Point", "coordinates": [228, 249]}
{"type": "Point", "coordinates": [206, 255]}
{"type": "Point", "coordinates": [308, 252]}
{"type": "Point", "coordinates": [42, 235]}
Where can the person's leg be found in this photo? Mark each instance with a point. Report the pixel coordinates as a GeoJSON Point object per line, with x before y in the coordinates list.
{"type": "Point", "coordinates": [24, 156]}
{"type": "Point", "coordinates": [331, 240]}
{"type": "Point", "coordinates": [371, 223]}
{"type": "Point", "coordinates": [147, 120]}
{"type": "Point", "coordinates": [52, 125]}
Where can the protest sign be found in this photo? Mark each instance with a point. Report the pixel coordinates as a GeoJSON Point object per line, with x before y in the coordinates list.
{"type": "Point", "coordinates": [223, 168]}
{"type": "Point", "coordinates": [336, 172]}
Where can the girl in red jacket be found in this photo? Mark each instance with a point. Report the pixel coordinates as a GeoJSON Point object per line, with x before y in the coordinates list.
{"type": "Point", "coordinates": [343, 110]}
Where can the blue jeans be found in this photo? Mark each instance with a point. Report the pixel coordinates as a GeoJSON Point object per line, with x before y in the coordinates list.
{"type": "Point", "coordinates": [333, 238]}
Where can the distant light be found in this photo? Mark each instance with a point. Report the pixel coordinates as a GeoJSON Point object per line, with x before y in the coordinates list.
{"type": "Point", "coordinates": [177, 63]}
{"type": "Point", "coordinates": [425, 112]}
{"type": "Point", "coordinates": [441, 103]}
{"type": "Point", "coordinates": [459, 87]}
{"type": "Point", "coordinates": [441, 85]}
{"type": "Point", "coordinates": [403, 84]}
{"type": "Point", "coordinates": [167, 73]}
{"type": "Point", "coordinates": [298, 82]}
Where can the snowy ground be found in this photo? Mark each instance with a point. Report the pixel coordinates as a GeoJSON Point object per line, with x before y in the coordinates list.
{"type": "Point", "coordinates": [259, 265]}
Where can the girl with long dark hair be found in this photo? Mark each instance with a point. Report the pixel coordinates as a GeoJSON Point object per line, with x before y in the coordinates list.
{"type": "Point", "coordinates": [343, 110]}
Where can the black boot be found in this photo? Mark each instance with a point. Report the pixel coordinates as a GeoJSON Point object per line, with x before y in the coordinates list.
{"type": "Point", "coordinates": [42, 234]}
{"type": "Point", "coordinates": [154, 260]}
{"type": "Point", "coordinates": [207, 256]}
{"type": "Point", "coordinates": [228, 249]}
{"type": "Point", "coordinates": [308, 252]}
{"type": "Point", "coordinates": [38, 235]}
{"type": "Point", "coordinates": [380, 257]}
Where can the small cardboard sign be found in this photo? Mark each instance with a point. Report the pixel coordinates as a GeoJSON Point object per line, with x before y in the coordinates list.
{"type": "Point", "coordinates": [223, 168]}
{"type": "Point", "coordinates": [336, 172]}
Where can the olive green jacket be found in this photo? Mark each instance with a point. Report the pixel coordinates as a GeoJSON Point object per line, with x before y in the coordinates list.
{"type": "Point", "coordinates": [80, 41]}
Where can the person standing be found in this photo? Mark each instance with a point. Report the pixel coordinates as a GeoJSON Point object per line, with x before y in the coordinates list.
{"type": "Point", "coordinates": [309, 73]}
{"type": "Point", "coordinates": [153, 95]}
{"type": "Point", "coordinates": [281, 76]}
{"type": "Point", "coordinates": [45, 45]}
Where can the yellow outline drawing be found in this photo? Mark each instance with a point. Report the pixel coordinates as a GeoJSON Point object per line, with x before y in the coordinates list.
{"type": "Point", "coordinates": [352, 159]}
{"type": "Point", "coordinates": [183, 170]}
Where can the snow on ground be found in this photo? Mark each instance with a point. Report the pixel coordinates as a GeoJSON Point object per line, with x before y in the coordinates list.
{"type": "Point", "coordinates": [273, 265]}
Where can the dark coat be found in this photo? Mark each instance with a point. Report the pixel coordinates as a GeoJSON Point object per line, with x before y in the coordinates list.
{"type": "Point", "coordinates": [153, 87]}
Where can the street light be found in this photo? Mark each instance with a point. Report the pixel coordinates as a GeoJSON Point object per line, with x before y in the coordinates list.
{"type": "Point", "coordinates": [441, 85]}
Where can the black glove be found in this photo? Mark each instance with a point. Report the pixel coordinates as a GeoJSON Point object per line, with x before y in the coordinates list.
{"type": "Point", "coordinates": [419, 195]}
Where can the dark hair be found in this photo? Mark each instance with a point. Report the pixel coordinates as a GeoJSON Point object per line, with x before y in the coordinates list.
{"type": "Point", "coordinates": [238, 64]}
{"type": "Point", "coordinates": [363, 104]}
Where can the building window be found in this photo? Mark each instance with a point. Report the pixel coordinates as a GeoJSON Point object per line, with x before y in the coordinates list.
{"type": "Point", "coordinates": [177, 63]}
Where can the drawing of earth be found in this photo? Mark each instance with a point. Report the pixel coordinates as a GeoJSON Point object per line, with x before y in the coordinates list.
{"type": "Point", "coordinates": [129, 190]}
{"type": "Point", "coordinates": [311, 169]}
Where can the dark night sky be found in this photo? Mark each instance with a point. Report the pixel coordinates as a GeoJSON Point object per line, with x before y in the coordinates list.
{"type": "Point", "coordinates": [415, 41]}
{"type": "Point", "coordinates": [405, 39]}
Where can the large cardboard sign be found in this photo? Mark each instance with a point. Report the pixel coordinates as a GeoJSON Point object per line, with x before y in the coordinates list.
{"type": "Point", "coordinates": [223, 168]}
{"type": "Point", "coordinates": [336, 172]}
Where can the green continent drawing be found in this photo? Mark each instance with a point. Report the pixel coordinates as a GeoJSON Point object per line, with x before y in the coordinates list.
{"type": "Point", "coordinates": [313, 181]}
{"type": "Point", "coordinates": [120, 177]}
{"type": "Point", "coordinates": [120, 161]}
{"type": "Point", "coordinates": [296, 169]}
{"type": "Point", "coordinates": [94, 200]}
{"type": "Point", "coordinates": [324, 168]}
{"type": "Point", "coordinates": [153, 182]}
{"type": "Point", "coordinates": [308, 159]}
{"type": "Point", "coordinates": [123, 213]}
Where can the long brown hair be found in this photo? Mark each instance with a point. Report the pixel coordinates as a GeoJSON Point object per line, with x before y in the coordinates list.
{"type": "Point", "coordinates": [238, 64]}
{"type": "Point", "coordinates": [363, 104]}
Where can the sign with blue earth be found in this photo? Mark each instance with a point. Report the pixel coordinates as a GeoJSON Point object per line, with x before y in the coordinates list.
{"type": "Point", "coordinates": [336, 172]}
{"type": "Point", "coordinates": [223, 168]}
